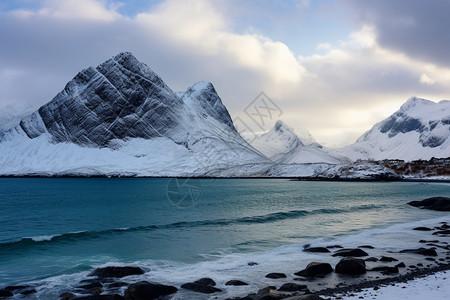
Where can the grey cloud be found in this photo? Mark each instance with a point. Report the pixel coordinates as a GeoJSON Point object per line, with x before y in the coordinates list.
{"type": "Point", "coordinates": [415, 27]}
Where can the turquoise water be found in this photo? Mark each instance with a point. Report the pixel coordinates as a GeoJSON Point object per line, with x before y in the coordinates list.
{"type": "Point", "coordinates": [52, 227]}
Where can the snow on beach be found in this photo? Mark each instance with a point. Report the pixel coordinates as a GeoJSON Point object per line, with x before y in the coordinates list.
{"type": "Point", "coordinates": [435, 286]}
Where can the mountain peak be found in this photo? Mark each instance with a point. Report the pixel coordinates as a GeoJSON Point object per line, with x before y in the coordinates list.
{"type": "Point", "coordinates": [414, 102]}
{"type": "Point", "coordinates": [121, 98]}
{"type": "Point", "coordinates": [281, 126]}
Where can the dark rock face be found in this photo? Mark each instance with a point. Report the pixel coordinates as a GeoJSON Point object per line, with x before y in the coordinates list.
{"type": "Point", "coordinates": [276, 275]}
{"type": "Point", "coordinates": [421, 251]}
{"type": "Point", "coordinates": [315, 269]}
{"type": "Point", "coordinates": [434, 203]}
{"type": "Point", "coordinates": [236, 283]}
{"type": "Point", "coordinates": [292, 287]}
{"type": "Point", "coordinates": [350, 252]}
{"type": "Point", "coordinates": [145, 290]}
{"type": "Point", "coordinates": [317, 249]}
{"type": "Point", "coordinates": [351, 266]}
{"type": "Point", "coordinates": [204, 285]}
{"type": "Point", "coordinates": [401, 123]}
{"type": "Point", "coordinates": [116, 272]}
{"type": "Point", "coordinates": [121, 98]}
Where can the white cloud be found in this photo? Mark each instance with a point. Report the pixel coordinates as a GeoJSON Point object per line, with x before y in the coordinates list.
{"type": "Point", "coordinates": [425, 79]}
{"type": "Point", "coordinates": [336, 94]}
{"type": "Point", "coordinates": [73, 10]}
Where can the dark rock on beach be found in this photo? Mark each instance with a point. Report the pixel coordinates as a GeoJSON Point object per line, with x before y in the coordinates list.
{"type": "Point", "coordinates": [15, 287]}
{"type": "Point", "coordinates": [315, 269]}
{"type": "Point", "coordinates": [116, 272]}
{"type": "Point", "coordinates": [236, 283]}
{"type": "Point", "coordinates": [401, 265]}
{"type": "Point", "coordinates": [145, 290]}
{"type": "Point", "coordinates": [367, 247]}
{"type": "Point", "coordinates": [351, 266]}
{"type": "Point", "coordinates": [421, 228]}
{"type": "Point", "coordinates": [305, 297]}
{"type": "Point", "coordinates": [385, 270]}
{"type": "Point", "coordinates": [372, 259]}
{"type": "Point", "coordinates": [350, 252]}
{"type": "Point", "coordinates": [388, 259]}
{"type": "Point", "coordinates": [204, 285]}
{"type": "Point", "coordinates": [67, 296]}
{"type": "Point", "coordinates": [434, 203]}
{"type": "Point", "coordinates": [276, 275]}
{"type": "Point", "coordinates": [317, 249]}
{"type": "Point", "coordinates": [292, 287]}
{"type": "Point", "coordinates": [421, 251]}
{"type": "Point", "coordinates": [5, 293]}
{"type": "Point", "coordinates": [104, 297]}
{"type": "Point", "coordinates": [28, 292]}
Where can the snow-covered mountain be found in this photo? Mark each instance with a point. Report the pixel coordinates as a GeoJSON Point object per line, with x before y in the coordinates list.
{"type": "Point", "coordinates": [420, 129]}
{"type": "Point", "coordinates": [280, 140]}
{"type": "Point", "coordinates": [121, 118]}
{"type": "Point", "coordinates": [282, 145]}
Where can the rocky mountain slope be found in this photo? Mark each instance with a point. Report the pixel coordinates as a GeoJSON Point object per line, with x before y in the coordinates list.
{"type": "Point", "coordinates": [121, 118]}
{"type": "Point", "coordinates": [420, 129]}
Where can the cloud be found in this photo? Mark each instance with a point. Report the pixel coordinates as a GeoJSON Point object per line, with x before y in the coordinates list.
{"type": "Point", "coordinates": [415, 27]}
{"type": "Point", "coordinates": [73, 10]}
{"type": "Point", "coordinates": [336, 94]}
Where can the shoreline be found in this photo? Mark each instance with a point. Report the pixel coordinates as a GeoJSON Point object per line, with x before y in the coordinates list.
{"type": "Point", "coordinates": [425, 180]}
{"type": "Point", "coordinates": [330, 285]}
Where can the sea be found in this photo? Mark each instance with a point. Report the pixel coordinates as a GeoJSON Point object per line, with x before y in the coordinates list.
{"type": "Point", "coordinates": [55, 231]}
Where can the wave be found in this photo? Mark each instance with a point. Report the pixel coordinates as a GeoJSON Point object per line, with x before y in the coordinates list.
{"type": "Point", "coordinates": [28, 242]}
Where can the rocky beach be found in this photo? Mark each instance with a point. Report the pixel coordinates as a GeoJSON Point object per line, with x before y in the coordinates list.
{"type": "Point", "coordinates": [338, 273]}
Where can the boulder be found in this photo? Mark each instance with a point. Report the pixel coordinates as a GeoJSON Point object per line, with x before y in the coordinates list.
{"type": "Point", "coordinates": [373, 259]}
{"type": "Point", "coordinates": [276, 275]}
{"type": "Point", "coordinates": [305, 297]}
{"type": "Point", "coordinates": [434, 203]}
{"type": "Point", "coordinates": [315, 269]}
{"type": "Point", "coordinates": [350, 252]}
{"type": "Point", "coordinates": [385, 270]}
{"type": "Point", "coordinates": [204, 285]}
{"type": "Point", "coordinates": [351, 266]}
{"type": "Point", "coordinates": [268, 293]}
{"type": "Point", "coordinates": [103, 297]}
{"type": "Point", "coordinates": [388, 259]}
{"type": "Point", "coordinates": [67, 296]}
{"type": "Point", "coordinates": [421, 251]}
{"type": "Point", "coordinates": [236, 283]}
{"type": "Point", "coordinates": [317, 249]}
{"type": "Point", "coordinates": [401, 265]}
{"type": "Point", "coordinates": [292, 287]}
{"type": "Point", "coordinates": [116, 272]}
{"type": "Point", "coordinates": [421, 228]}
{"type": "Point", "coordinates": [145, 290]}
{"type": "Point", "coordinates": [5, 293]}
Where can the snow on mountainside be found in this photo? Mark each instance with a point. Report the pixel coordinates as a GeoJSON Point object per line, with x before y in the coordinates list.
{"type": "Point", "coordinates": [420, 129]}
{"type": "Point", "coordinates": [120, 118]}
{"type": "Point", "coordinates": [282, 145]}
{"type": "Point", "coordinates": [281, 139]}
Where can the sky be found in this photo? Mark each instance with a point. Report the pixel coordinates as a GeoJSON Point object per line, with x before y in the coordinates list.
{"type": "Point", "coordinates": [332, 67]}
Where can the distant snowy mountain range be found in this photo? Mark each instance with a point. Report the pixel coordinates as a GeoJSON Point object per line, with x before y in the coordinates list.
{"type": "Point", "coordinates": [121, 119]}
